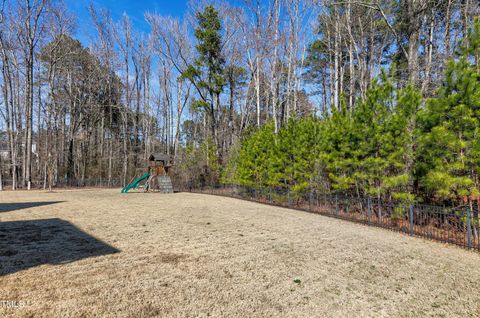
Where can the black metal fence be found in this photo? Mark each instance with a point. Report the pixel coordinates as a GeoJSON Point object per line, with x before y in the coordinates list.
{"type": "Point", "coordinates": [459, 226]}
{"type": "Point", "coordinates": [67, 183]}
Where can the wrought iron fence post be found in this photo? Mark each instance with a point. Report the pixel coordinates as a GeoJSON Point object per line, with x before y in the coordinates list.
{"type": "Point", "coordinates": [469, 230]}
{"type": "Point", "coordinates": [310, 199]}
{"type": "Point", "coordinates": [438, 223]}
{"type": "Point", "coordinates": [369, 210]}
{"type": "Point", "coordinates": [336, 204]}
{"type": "Point", "coordinates": [380, 212]}
{"type": "Point", "coordinates": [411, 219]}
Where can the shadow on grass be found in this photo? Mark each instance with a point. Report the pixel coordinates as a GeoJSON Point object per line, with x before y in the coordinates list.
{"type": "Point", "coordinates": [31, 243]}
{"type": "Point", "coordinates": [7, 207]}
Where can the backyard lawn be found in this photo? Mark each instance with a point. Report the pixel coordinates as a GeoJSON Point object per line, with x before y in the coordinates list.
{"type": "Point", "coordinates": [100, 253]}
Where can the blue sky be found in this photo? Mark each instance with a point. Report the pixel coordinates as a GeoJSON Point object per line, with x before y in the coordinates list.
{"type": "Point", "coordinates": [134, 9]}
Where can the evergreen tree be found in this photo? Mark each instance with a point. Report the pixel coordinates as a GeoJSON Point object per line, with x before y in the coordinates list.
{"type": "Point", "coordinates": [254, 158]}
{"type": "Point", "coordinates": [207, 74]}
{"type": "Point", "coordinates": [387, 146]}
{"type": "Point", "coordinates": [398, 145]}
{"type": "Point", "coordinates": [448, 158]}
{"type": "Point", "coordinates": [369, 136]}
{"type": "Point", "coordinates": [335, 151]}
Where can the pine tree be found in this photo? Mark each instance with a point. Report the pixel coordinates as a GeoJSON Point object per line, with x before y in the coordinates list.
{"type": "Point", "coordinates": [369, 133]}
{"type": "Point", "coordinates": [335, 151]}
{"type": "Point", "coordinates": [254, 158]}
{"type": "Point", "coordinates": [398, 144]}
{"type": "Point", "coordinates": [387, 146]}
{"type": "Point", "coordinates": [448, 158]}
{"type": "Point", "coordinates": [207, 74]}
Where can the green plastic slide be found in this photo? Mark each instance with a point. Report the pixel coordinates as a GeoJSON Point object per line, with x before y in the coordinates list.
{"type": "Point", "coordinates": [136, 182]}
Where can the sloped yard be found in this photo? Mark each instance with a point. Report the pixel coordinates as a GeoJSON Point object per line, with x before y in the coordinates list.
{"type": "Point", "coordinates": [99, 253]}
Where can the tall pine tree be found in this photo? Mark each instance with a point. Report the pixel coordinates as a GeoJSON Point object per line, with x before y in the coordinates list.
{"type": "Point", "coordinates": [449, 155]}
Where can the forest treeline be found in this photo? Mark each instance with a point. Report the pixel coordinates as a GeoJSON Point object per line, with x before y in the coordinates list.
{"type": "Point", "coordinates": [395, 144]}
{"type": "Point", "coordinates": [283, 76]}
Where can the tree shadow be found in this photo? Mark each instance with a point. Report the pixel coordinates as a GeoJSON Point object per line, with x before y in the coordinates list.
{"type": "Point", "coordinates": [31, 243]}
{"type": "Point", "coordinates": [7, 207]}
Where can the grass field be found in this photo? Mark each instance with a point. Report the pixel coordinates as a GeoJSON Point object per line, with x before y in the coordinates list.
{"type": "Point", "coordinates": [99, 253]}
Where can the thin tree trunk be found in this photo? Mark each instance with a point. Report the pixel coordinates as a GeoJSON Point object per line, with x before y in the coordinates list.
{"type": "Point", "coordinates": [336, 63]}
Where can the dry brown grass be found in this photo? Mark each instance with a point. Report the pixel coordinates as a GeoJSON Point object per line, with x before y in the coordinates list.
{"type": "Point", "coordinates": [100, 253]}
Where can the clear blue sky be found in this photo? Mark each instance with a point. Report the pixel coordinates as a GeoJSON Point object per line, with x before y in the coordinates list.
{"type": "Point", "coordinates": [135, 9]}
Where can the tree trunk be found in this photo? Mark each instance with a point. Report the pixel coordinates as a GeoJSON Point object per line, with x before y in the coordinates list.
{"type": "Point", "coordinates": [336, 63]}
{"type": "Point", "coordinates": [429, 56]}
{"type": "Point", "coordinates": [414, 24]}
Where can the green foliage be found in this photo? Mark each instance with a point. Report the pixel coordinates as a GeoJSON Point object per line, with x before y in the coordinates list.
{"type": "Point", "coordinates": [198, 105]}
{"type": "Point", "coordinates": [398, 212]}
{"type": "Point", "coordinates": [369, 150]}
{"type": "Point", "coordinates": [207, 70]}
{"type": "Point", "coordinates": [448, 160]}
{"type": "Point", "coordinates": [228, 173]}
{"type": "Point", "coordinates": [255, 155]}
{"type": "Point", "coordinates": [199, 165]}
{"type": "Point", "coordinates": [209, 154]}
{"type": "Point", "coordinates": [391, 145]}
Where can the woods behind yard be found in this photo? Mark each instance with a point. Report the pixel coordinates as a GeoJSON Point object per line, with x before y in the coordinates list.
{"type": "Point", "coordinates": [376, 98]}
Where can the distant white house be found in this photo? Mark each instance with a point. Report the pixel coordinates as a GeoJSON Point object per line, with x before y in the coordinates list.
{"type": "Point", "coordinates": [5, 150]}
